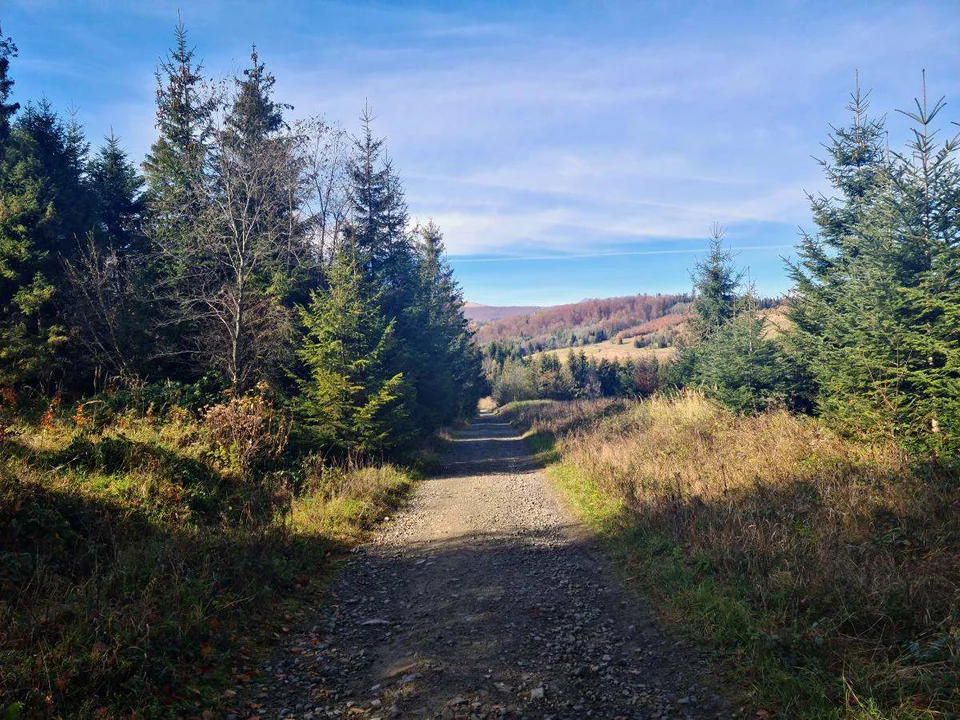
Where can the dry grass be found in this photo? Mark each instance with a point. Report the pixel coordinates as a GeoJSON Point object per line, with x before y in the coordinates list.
{"type": "Point", "coordinates": [777, 321]}
{"type": "Point", "coordinates": [612, 350]}
{"type": "Point", "coordinates": [830, 570]}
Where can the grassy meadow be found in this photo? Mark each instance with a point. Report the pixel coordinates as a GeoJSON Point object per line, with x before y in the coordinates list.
{"type": "Point", "coordinates": [613, 350]}
{"type": "Point", "coordinates": [146, 558]}
{"type": "Point", "coordinates": [825, 571]}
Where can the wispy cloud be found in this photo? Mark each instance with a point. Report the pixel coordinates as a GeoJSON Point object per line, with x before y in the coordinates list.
{"type": "Point", "coordinates": [567, 138]}
{"type": "Point", "coordinates": [625, 253]}
{"type": "Point", "coordinates": [527, 130]}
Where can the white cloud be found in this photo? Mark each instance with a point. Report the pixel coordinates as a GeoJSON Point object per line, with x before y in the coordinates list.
{"type": "Point", "coordinates": [549, 143]}
{"type": "Point", "coordinates": [519, 130]}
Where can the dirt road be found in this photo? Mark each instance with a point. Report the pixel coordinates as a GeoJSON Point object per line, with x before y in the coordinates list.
{"type": "Point", "coordinates": [483, 599]}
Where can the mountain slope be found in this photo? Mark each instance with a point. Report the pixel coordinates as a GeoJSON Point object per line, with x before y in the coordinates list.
{"type": "Point", "coordinates": [588, 321]}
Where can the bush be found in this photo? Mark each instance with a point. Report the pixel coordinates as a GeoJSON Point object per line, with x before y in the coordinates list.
{"type": "Point", "coordinates": [248, 433]}
{"type": "Point", "coordinates": [517, 381]}
{"type": "Point", "coordinates": [159, 398]}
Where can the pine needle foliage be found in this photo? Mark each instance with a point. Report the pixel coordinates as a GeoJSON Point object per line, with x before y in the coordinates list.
{"type": "Point", "coordinates": [349, 399]}
{"type": "Point", "coordinates": [875, 305]}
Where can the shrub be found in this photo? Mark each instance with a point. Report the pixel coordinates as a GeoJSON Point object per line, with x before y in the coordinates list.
{"type": "Point", "coordinates": [517, 381]}
{"type": "Point", "coordinates": [159, 398]}
{"type": "Point", "coordinates": [247, 433]}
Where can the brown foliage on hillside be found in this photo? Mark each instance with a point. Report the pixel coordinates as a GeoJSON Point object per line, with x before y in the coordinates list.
{"type": "Point", "coordinates": [490, 313]}
{"type": "Point", "coordinates": [586, 321]}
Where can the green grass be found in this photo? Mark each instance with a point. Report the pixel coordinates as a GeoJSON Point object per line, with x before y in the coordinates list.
{"type": "Point", "coordinates": [141, 574]}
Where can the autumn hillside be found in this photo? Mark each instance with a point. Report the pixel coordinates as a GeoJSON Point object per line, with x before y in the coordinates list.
{"type": "Point", "coordinates": [589, 321]}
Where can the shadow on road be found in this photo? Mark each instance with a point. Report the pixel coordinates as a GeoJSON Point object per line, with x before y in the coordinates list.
{"type": "Point", "coordinates": [489, 446]}
{"type": "Point", "coordinates": [484, 599]}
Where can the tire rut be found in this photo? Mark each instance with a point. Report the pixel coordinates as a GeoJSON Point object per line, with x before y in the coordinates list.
{"type": "Point", "coordinates": [483, 599]}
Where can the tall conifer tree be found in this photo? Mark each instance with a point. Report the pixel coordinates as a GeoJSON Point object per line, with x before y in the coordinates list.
{"type": "Point", "coordinates": [454, 360]}
{"type": "Point", "coordinates": [7, 109]}
{"type": "Point", "coordinates": [174, 171]}
{"type": "Point", "coordinates": [349, 397]}
{"type": "Point", "coordinates": [44, 215]}
{"type": "Point", "coordinates": [875, 301]}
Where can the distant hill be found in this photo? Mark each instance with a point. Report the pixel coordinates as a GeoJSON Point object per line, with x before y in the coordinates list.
{"type": "Point", "coordinates": [591, 321]}
{"type": "Point", "coordinates": [488, 313]}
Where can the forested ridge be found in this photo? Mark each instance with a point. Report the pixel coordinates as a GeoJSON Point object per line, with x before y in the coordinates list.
{"type": "Point", "coordinates": [578, 323]}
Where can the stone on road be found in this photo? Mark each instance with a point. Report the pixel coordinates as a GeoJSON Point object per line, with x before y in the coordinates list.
{"type": "Point", "coordinates": [483, 599]}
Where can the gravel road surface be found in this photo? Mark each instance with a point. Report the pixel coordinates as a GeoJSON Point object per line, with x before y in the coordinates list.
{"type": "Point", "coordinates": [483, 598]}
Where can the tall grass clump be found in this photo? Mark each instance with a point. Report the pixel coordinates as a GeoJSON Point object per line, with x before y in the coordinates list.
{"type": "Point", "coordinates": [829, 570]}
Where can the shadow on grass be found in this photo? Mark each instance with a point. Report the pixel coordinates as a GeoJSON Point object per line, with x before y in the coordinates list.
{"type": "Point", "coordinates": [106, 605]}
{"type": "Point", "coordinates": [175, 481]}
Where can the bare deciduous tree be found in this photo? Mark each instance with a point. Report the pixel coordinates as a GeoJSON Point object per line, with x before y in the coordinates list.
{"type": "Point", "coordinates": [328, 150]}
{"type": "Point", "coordinates": [245, 245]}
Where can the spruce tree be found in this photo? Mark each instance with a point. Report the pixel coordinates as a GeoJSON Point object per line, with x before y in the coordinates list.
{"type": "Point", "coordinates": [738, 365]}
{"type": "Point", "coordinates": [451, 388]}
{"type": "Point", "coordinates": [45, 212]}
{"type": "Point", "coordinates": [732, 361]}
{"type": "Point", "coordinates": [349, 398]}
{"type": "Point", "coordinates": [876, 296]}
{"type": "Point", "coordinates": [857, 170]}
{"type": "Point", "coordinates": [378, 212]}
{"type": "Point", "coordinates": [174, 166]}
{"type": "Point", "coordinates": [255, 127]}
{"type": "Point", "coordinates": [174, 171]}
{"type": "Point", "coordinates": [385, 255]}
{"type": "Point", "coordinates": [716, 281]}
{"type": "Point", "coordinates": [254, 117]}
{"type": "Point", "coordinates": [117, 190]}
{"type": "Point", "coordinates": [926, 217]}
{"type": "Point", "coordinates": [7, 109]}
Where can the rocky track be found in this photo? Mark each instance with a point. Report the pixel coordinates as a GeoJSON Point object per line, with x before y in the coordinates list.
{"type": "Point", "coordinates": [483, 599]}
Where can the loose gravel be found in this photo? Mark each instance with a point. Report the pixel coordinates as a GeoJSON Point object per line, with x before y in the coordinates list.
{"type": "Point", "coordinates": [482, 599]}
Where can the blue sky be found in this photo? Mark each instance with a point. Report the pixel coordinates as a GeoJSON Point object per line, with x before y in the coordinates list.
{"type": "Point", "coordinates": [567, 149]}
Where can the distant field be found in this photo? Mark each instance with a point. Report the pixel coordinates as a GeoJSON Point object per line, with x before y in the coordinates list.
{"type": "Point", "coordinates": [777, 320]}
{"type": "Point", "coordinates": [611, 350]}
